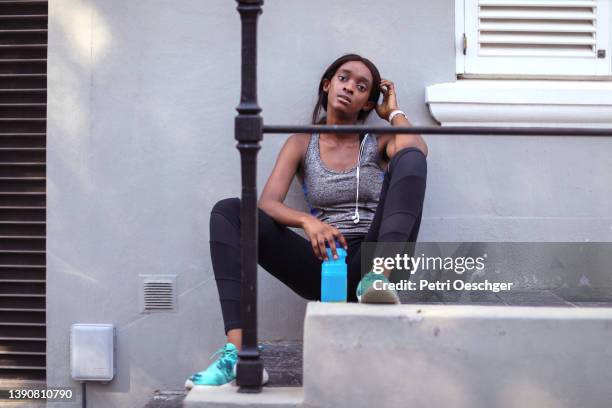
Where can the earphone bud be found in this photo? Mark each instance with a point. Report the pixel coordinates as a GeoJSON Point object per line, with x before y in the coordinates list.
{"type": "Point", "coordinates": [355, 216]}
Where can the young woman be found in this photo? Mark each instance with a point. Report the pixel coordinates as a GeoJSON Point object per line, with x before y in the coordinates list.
{"type": "Point", "coordinates": [368, 188]}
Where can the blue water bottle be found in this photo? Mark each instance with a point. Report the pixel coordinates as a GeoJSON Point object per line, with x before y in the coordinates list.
{"type": "Point", "coordinates": [333, 277]}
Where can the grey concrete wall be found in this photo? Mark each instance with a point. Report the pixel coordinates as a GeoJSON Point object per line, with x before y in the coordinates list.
{"type": "Point", "coordinates": [142, 96]}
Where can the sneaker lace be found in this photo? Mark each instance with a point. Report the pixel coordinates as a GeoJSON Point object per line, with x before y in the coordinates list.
{"type": "Point", "coordinates": [228, 358]}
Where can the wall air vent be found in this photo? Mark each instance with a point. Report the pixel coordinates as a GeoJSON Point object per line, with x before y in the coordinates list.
{"type": "Point", "coordinates": [158, 293]}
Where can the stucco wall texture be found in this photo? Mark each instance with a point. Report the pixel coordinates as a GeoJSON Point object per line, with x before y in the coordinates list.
{"type": "Point", "coordinates": [142, 97]}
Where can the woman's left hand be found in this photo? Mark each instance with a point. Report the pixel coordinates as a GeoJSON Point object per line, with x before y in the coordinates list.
{"type": "Point", "coordinates": [389, 103]}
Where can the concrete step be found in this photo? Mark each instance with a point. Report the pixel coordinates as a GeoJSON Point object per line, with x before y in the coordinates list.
{"type": "Point", "coordinates": [457, 356]}
{"type": "Point", "coordinates": [545, 348]}
{"type": "Point", "coordinates": [226, 397]}
{"type": "Point", "coordinates": [167, 399]}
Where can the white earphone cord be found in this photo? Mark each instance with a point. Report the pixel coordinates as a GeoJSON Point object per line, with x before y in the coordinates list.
{"type": "Point", "coordinates": [356, 215]}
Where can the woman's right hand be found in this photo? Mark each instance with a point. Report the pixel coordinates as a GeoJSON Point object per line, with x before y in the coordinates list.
{"type": "Point", "coordinates": [318, 233]}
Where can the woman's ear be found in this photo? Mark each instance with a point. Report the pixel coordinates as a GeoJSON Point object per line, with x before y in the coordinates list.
{"type": "Point", "coordinates": [326, 85]}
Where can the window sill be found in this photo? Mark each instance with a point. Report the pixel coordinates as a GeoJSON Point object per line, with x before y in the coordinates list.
{"type": "Point", "coordinates": [521, 103]}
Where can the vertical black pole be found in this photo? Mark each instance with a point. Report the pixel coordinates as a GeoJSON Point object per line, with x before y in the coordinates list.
{"type": "Point", "coordinates": [249, 133]}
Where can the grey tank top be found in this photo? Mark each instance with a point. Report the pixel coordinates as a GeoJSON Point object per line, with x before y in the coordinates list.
{"type": "Point", "coordinates": [330, 194]}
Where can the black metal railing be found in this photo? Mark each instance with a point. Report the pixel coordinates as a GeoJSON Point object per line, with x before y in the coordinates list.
{"type": "Point", "coordinates": [249, 130]}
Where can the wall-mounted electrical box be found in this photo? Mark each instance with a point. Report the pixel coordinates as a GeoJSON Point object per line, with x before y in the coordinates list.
{"type": "Point", "coordinates": [92, 352]}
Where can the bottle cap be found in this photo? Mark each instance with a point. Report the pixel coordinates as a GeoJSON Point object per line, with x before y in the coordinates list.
{"type": "Point", "coordinates": [339, 250]}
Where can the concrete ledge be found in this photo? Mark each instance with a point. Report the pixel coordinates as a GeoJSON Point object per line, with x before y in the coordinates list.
{"type": "Point", "coordinates": [227, 397]}
{"type": "Point", "coordinates": [457, 356]}
{"type": "Point", "coordinates": [512, 102]}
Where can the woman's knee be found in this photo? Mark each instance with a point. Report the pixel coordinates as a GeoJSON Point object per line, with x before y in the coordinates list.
{"type": "Point", "coordinates": [228, 207]}
{"type": "Point", "coordinates": [409, 161]}
{"type": "Point", "coordinates": [225, 215]}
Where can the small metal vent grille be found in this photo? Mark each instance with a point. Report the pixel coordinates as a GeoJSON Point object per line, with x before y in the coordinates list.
{"type": "Point", "coordinates": [158, 293]}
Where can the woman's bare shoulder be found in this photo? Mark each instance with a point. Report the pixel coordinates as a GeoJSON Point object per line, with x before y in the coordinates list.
{"type": "Point", "coordinates": [298, 144]}
{"type": "Point", "coordinates": [299, 139]}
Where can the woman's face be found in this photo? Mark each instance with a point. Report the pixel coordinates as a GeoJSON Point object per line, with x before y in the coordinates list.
{"type": "Point", "coordinates": [349, 89]}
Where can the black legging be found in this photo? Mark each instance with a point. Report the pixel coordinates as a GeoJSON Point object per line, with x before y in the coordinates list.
{"type": "Point", "coordinates": [290, 257]}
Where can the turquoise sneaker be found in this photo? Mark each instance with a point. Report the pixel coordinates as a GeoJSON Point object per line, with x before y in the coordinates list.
{"type": "Point", "coordinates": [366, 293]}
{"type": "Point", "coordinates": [222, 371]}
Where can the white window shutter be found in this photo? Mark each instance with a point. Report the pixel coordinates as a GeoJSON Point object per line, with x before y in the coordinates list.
{"type": "Point", "coordinates": [538, 37]}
